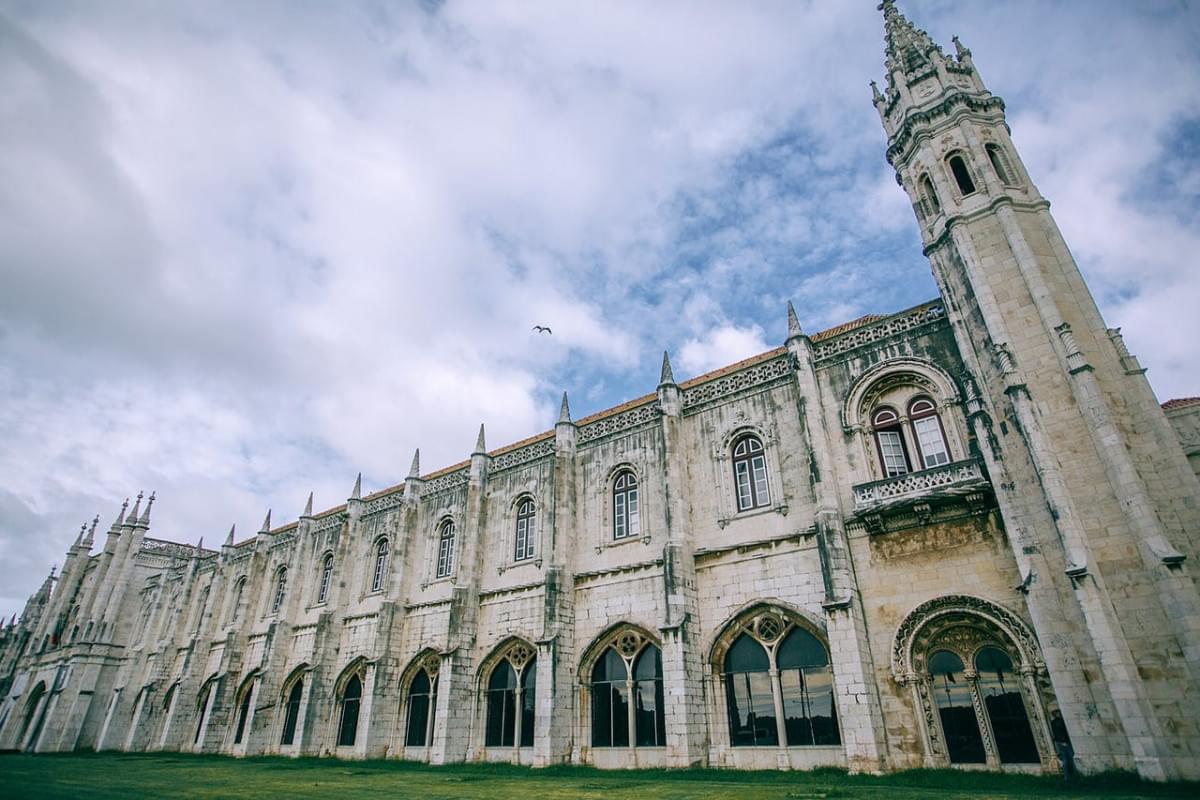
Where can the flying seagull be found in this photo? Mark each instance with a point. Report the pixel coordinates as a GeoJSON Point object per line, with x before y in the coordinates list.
{"type": "Point", "coordinates": [543, 329]}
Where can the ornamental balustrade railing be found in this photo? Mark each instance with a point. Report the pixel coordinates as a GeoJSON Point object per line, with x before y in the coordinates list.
{"type": "Point", "coordinates": [947, 479]}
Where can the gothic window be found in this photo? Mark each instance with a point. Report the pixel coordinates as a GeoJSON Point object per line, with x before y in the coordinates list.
{"type": "Point", "coordinates": [31, 707]}
{"type": "Point", "coordinates": [348, 712]}
{"type": "Point", "coordinates": [962, 176]}
{"type": "Point", "coordinates": [422, 706]}
{"type": "Point", "coordinates": [933, 206]}
{"type": "Point", "coordinates": [326, 577]}
{"type": "Point", "coordinates": [445, 559]}
{"type": "Point", "coordinates": [1000, 164]}
{"type": "Point", "coordinates": [627, 694]}
{"type": "Point", "coordinates": [381, 558]}
{"type": "Point", "coordinates": [889, 438]}
{"type": "Point", "coordinates": [291, 712]}
{"type": "Point", "coordinates": [627, 521]}
{"type": "Point", "coordinates": [243, 712]}
{"type": "Point", "coordinates": [999, 687]}
{"type": "Point", "coordinates": [776, 667]}
{"type": "Point", "coordinates": [511, 699]}
{"type": "Point", "coordinates": [524, 547]}
{"type": "Point", "coordinates": [927, 430]}
{"type": "Point", "coordinates": [750, 473]}
{"type": "Point", "coordinates": [236, 601]}
{"type": "Point", "coordinates": [202, 711]}
{"type": "Point", "coordinates": [952, 694]}
{"type": "Point", "coordinates": [280, 590]}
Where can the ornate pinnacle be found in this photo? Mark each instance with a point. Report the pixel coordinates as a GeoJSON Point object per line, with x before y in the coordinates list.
{"type": "Point", "coordinates": [266, 526]}
{"type": "Point", "coordinates": [308, 506]}
{"type": "Point", "coordinates": [145, 520]}
{"type": "Point", "coordinates": [229, 538]}
{"type": "Point", "coordinates": [356, 492]}
{"type": "Point", "coordinates": [200, 545]}
{"type": "Point", "coordinates": [480, 446]}
{"type": "Point", "coordinates": [414, 471]}
{"type": "Point", "coordinates": [133, 515]}
{"type": "Point", "coordinates": [793, 321]}
{"type": "Point", "coordinates": [666, 376]}
{"type": "Point", "coordinates": [564, 411]}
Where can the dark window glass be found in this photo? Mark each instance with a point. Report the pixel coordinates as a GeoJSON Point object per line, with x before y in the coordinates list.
{"type": "Point", "coordinates": [952, 694]}
{"type": "Point", "coordinates": [930, 196]}
{"type": "Point", "coordinates": [998, 164]}
{"type": "Point", "coordinates": [348, 725]}
{"type": "Point", "coordinates": [961, 175]}
{"type": "Point", "coordinates": [750, 473]}
{"type": "Point", "coordinates": [610, 701]}
{"type": "Point", "coordinates": [243, 713]}
{"type": "Point", "coordinates": [749, 695]}
{"type": "Point", "coordinates": [280, 589]}
{"type": "Point", "coordinates": [201, 710]}
{"type": "Point", "coordinates": [627, 519]}
{"type": "Point", "coordinates": [502, 706]}
{"type": "Point", "coordinates": [381, 556]}
{"type": "Point", "coordinates": [291, 713]}
{"type": "Point", "coordinates": [326, 574]}
{"type": "Point", "coordinates": [650, 726]}
{"type": "Point", "coordinates": [528, 702]}
{"type": "Point", "coordinates": [524, 548]}
{"type": "Point", "coordinates": [420, 706]}
{"type": "Point", "coordinates": [445, 562]}
{"type": "Point", "coordinates": [810, 717]}
{"type": "Point", "coordinates": [892, 452]}
{"type": "Point", "coordinates": [998, 686]}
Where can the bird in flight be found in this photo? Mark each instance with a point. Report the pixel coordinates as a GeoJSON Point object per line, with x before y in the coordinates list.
{"type": "Point", "coordinates": [543, 329]}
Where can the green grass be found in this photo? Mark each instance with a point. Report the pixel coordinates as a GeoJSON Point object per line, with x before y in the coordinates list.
{"type": "Point", "coordinates": [162, 775]}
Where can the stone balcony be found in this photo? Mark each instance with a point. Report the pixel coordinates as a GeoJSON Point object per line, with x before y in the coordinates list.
{"type": "Point", "coordinates": [933, 495]}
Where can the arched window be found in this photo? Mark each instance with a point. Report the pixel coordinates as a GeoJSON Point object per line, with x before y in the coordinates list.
{"type": "Point", "coordinates": [348, 717]}
{"type": "Point", "coordinates": [1000, 690]}
{"type": "Point", "coordinates": [952, 694]}
{"type": "Point", "coordinates": [630, 668]}
{"type": "Point", "coordinates": [511, 699]}
{"type": "Point", "coordinates": [524, 546]}
{"type": "Point", "coordinates": [422, 707]}
{"type": "Point", "coordinates": [927, 430]}
{"type": "Point", "coordinates": [774, 666]}
{"type": "Point", "coordinates": [933, 206]}
{"type": "Point", "coordinates": [243, 712]}
{"type": "Point", "coordinates": [445, 561]}
{"type": "Point", "coordinates": [280, 589]}
{"type": "Point", "coordinates": [31, 709]}
{"type": "Point", "coordinates": [206, 693]}
{"type": "Point", "coordinates": [962, 176]}
{"type": "Point", "coordinates": [381, 557]}
{"type": "Point", "coordinates": [291, 712]}
{"type": "Point", "coordinates": [235, 604]}
{"type": "Point", "coordinates": [999, 164]}
{"type": "Point", "coordinates": [326, 576]}
{"type": "Point", "coordinates": [890, 439]}
{"type": "Point", "coordinates": [750, 473]}
{"type": "Point", "coordinates": [627, 521]}
{"type": "Point", "coordinates": [201, 607]}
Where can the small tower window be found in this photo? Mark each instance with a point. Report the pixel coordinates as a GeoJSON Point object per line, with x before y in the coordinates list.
{"type": "Point", "coordinates": [627, 521]}
{"type": "Point", "coordinates": [929, 197]}
{"type": "Point", "coordinates": [524, 549]}
{"type": "Point", "coordinates": [280, 589]}
{"type": "Point", "coordinates": [962, 176]}
{"type": "Point", "coordinates": [326, 575]}
{"type": "Point", "coordinates": [445, 562]}
{"type": "Point", "coordinates": [1000, 164]}
{"type": "Point", "coordinates": [381, 557]}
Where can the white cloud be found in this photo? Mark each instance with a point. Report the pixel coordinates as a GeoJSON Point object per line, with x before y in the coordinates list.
{"type": "Point", "coordinates": [720, 346]}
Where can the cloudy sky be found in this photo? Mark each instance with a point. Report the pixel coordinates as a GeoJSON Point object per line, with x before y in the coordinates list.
{"type": "Point", "coordinates": [250, 249]}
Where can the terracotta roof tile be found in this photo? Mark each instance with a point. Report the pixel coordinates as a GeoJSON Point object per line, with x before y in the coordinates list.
{"type": "Point", "coordinates": [1181, 402]}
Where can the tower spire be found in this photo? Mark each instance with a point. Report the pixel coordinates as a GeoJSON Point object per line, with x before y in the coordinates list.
{"type": "Point", "coordinates": [564, 411]}
{"type": "Point", "coordinates": [229, 538]}
{"type": "Point", "coordinates": [266, 526]}
{"type": "Point", "coordinates": [414, 471]}
{"type": "Point", "coordinates": [480, 446]}
{"type": "Point", "coordinates": [666, 376]}
{"type": "Point", "coordinates": [907, 47]}
{"type": "Point", "coordinates": [356, 492]}
{"type": "Point", "coordinates": [308, 506]}
{"type": "Point", "coordinates": [793, 322]}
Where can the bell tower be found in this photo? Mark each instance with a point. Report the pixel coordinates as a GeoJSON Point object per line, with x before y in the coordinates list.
{"type": "Point", "coordinates": [1100, 508]}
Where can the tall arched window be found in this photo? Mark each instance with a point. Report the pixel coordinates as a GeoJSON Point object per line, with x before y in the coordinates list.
{"type": "Point", "coordinates": [750, 473]}
{"type": "Point", "coordinates": [927, 430]}
{"type": "Point", "coordinates": [511, 699]}
{"type": "Point", "coordinates": [1000, 690]}
{"type": "Point", "coordinates": [628, 672]}
{"type": "Point", "coordinates": [524, 546]}
{"type": "Point", "coordinates": [243, 712]}
{"type": "Point", "coordinates": [422, 707]}
{"type": "Point", "coordinates": [775, 666]}
{"type": "Point", "coordinates": [952, 694]}
{"type": "Point", "coordinates": [280, 589]}
{"type": "Point", "coordinates": [962, 176]}
{"type": "Point", "coordinates": [889, 437]}
{"type": "Point", "coordinates": [933, 206]}
{"type": "Point", "coordinates": [348, 716]}
{"type": "Point", "coordinates": [445, 561]}
{"type": "Point", "coordinates": [31, 708]}
{"type": "Point", "coordinates": [326, 577]}
{"type": "Point", "coordinates": [235, 600]}
{"type": "Point", "coordinates": [206, 694]}
{"type": "Point", "coordinates": [291, 712]}
{"type": "Point", "coordinates": [627, 521]}
{"type": "Point", "coordinates": [999, 164]}
{"type": "Point", "coordinates": [381, 558]}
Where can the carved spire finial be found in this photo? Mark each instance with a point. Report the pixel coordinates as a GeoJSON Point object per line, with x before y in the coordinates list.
{"type": "Point", "coordinates": [414, 471]}
{"type": "Point", "coordinates": [793, 322]}
{"type": "Point", "coordinates": [564, 410]}
{"type": "Point", "coordinates": [144, 521]}
{"type": "Point", "coordinates": [133, 515]}
{"type": "Point", "coordinates": [308, 506]}
{"type": "Point", "coordinates": [480, 445]}
{"type": "Point", "coordinates": [266, 526]}
{"type": "Point", "coordinates": [356, 492]}
{"type": "Point", "coordinates": [666, 376]}
{"type": "Point", "coordinates": [229, 538]}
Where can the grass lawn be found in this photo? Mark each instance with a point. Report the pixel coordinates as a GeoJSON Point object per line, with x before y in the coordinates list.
{"type": "Point", "coordinates": [179, 776]}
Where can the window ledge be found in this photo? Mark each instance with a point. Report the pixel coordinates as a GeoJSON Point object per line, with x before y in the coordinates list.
{"type": "Point", "coordinates": [644, 539]}
{"type": "Point", "coordinates": [777, 508]}
{"type": "Point", "coordinates": [916, 498]}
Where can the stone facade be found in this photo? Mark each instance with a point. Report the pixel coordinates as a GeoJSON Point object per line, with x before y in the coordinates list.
{"type": "Point", "coordinates": [964, 533]}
